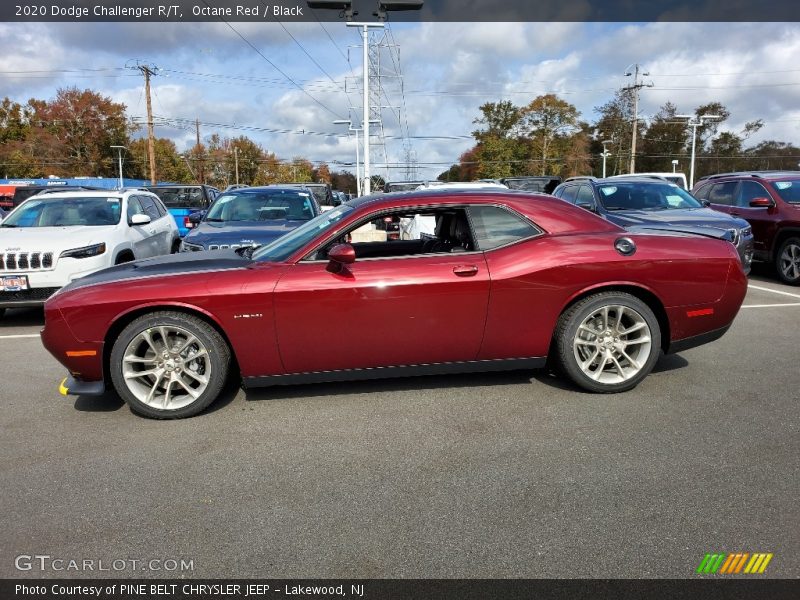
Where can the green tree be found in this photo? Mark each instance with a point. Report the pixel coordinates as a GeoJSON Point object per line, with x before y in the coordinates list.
{"type": "Point", "coordinates": [549, 122]}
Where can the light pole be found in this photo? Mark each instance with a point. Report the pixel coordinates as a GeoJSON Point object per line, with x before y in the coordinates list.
{"type": "Point", "coordinates": [605, 154]}
{"type": "Point", "coordinates": [236, 162]}
{"type": "Point", "coordinates": [358, 159]}
{"type": "Point", "coordinates": [695, 122]}
{"type": "Point", "coordinates": [674, 165]}
{"type": "Point", "coordinates": [119, 150]}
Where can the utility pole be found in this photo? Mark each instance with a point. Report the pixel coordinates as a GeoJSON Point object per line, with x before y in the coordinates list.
{"type": "Point", "coordinates": [197, 146]}
{"type": "Point", "coordinates": [236, 161]}
{"type": "Point", "coordinates": [637, 85]}
{"type": "Point", "coordinates": [151, 147]}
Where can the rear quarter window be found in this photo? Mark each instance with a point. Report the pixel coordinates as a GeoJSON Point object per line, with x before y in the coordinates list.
{"type": "Point", "coordinates": [495, 226]}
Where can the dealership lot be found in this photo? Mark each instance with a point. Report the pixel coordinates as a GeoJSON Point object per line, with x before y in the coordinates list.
{"type": "Point", "coordinates": [494, 475]}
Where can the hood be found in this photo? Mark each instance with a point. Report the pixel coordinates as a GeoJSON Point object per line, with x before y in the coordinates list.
{"type": "Point", "coordinates": [245, 233]}
{"type": "Point", "coordinates": [169, 264]}
{"type": "Point", "coordinates": [679, 219]}
{"type": "Point", "coordinates": [51, 239]}
{"type": "Point", "coordinates": [706, 231]}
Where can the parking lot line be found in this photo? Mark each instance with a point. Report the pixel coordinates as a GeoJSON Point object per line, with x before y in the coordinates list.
{"type": "Point", "coordinates": [769, 305]}
{"type": "Point", "coordinates": [14, 337]}
{"type": "Point", "coordinates": [765, 289]}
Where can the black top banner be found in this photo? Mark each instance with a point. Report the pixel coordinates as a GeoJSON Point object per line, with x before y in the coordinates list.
{"type": "Point", "coordinates": [400, 10]}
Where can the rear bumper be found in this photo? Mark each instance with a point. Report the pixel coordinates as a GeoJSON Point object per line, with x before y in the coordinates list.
{"type": "Point", "coordinates": [697, 340]}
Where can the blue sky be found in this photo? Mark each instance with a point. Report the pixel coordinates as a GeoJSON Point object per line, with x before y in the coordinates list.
{"type": "Point", "coordinates": [208, 72]}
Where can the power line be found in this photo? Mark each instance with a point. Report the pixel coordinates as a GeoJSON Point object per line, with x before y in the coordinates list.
{"type": "Point", "coordinates": [274, 66]}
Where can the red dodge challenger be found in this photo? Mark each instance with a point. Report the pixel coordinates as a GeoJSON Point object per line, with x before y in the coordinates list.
{"type": "Point", "coordinates": [495, 280]}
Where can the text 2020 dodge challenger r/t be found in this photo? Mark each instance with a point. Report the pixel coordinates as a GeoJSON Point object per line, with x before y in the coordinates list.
{"type": "Point", "coordinates": [480, 280]}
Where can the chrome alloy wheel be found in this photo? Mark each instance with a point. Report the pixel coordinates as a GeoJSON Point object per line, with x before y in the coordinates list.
{"type": "Point", "coordinates": [789, 261]}
{"type": "Point", "coordinates": [612, 344]}
{"type": "Point", "coordinates": [166, 367]}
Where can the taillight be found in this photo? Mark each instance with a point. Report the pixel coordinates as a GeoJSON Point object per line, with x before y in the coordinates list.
{"type": "Point", "coordinates": [187, 223]}
{"type": "Point", "coordinates": [387, 219]}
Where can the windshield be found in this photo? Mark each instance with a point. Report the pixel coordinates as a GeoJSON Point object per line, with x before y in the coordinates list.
{"type": "Point", "coordinates": [47, 211]}
{"type": "Point", "coordinates": [180, 197]}
{"type": "Point", "coordinates": [789, 191]}
{"type": "Point", "coordinates": [645, 196]}
{"type": "Point", "coordinates": [285, 246]}
{"type": "Point", "coordinates": [273, 205]}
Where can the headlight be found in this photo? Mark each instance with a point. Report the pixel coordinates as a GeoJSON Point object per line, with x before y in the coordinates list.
{"type": "Point", "coordinates": [187, 247]}
{"type": "Point", "coordinates": [746, 231]}
{"type": "Point", "coordinates": [84, 252]}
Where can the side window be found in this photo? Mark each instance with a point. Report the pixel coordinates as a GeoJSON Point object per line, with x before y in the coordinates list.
{"type": "Point", "coordinates": [558, 193]}
{"type": "Point", "coordinates": [750, 190]}
{"type": "Point", "coordinates": [422, 231]}
{"type": "Point", "coordinates": [585, 195]}
{"type": "Point", "coordinates": [149, 207]}
{"type": "Point", "coordinates": [570, 193]}
{"type": "Point", "coordinates": [160, 206]}
{"type": "Point", "coordinates": [702, 193]}
{"type": "Point", "coordinates": [495, 226]}
{"type": "Point", "coordinates": [134, 208]}
{"type": "Point", "coordinates": [722, 193]}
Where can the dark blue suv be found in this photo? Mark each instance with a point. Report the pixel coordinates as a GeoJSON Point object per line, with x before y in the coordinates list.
{"type": "Point", "coordinates": [653, 204]}
{"type": "Point", "coordinates": [251, 216]}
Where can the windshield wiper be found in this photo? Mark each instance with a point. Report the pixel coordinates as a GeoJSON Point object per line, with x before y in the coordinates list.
{"type": "Point", "coordinates": [8, 225]}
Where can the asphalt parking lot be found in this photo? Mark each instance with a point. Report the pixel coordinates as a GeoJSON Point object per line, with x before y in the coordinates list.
{"type": "Point", "coordinates": [495, 475]}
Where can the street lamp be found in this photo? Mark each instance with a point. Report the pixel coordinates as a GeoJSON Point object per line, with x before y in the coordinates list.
{"type": "Point", "coordinates": [358, 158]}
{"type": "Point", "coordinates": [694, 123]}
{"type": "Point", "coordinates": [605, 154]}
{"type": "Point", "coordinates": [119, 150]}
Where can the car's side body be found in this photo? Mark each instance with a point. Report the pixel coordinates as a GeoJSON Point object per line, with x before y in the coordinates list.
{"type": "Point", "coordinates": [474, 310]}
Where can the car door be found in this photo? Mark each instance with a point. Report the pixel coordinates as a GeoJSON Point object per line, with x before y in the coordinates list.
{"type": "Point", "coordinates": [382, 311]}
{"type": "Point", "coordinates": [159, 242]}
{"type": "Point", "coordinates": [763, 220]}
{"type": "Point", "coordinates": [722, 196]}
{"type": "Point", "coordinates": [138, 236]}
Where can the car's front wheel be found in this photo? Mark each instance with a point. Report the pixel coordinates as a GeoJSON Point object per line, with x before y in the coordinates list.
{"type": "Point", "coordinates": [787, 261]}
{"type": "Point", "coordinates": [608, 342]}
{"type": "Point", "coordinates": [169, 365]}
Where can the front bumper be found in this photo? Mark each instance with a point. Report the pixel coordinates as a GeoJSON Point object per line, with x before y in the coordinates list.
{"type": "Point", "coordinates": [70, 386]}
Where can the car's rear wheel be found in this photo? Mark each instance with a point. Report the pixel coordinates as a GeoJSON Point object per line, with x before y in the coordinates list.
{"type": "Point", "coordinates": [787, 261]}
{"type": "Point", "coordinates": [608, 342]}
{"type": "Point", "coordinates": [169, 365]}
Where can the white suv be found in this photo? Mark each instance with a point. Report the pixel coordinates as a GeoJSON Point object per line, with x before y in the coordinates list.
{"type": "Point", "coordinates": [55, 237]}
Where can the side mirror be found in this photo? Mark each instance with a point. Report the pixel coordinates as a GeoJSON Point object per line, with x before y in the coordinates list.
{"type": "Point", "coordinates": [139, 220]}
{"type": "Point", "coordinates": [339, 256]}
{"type": "Point", "coordinates": [762, 203]}
{"type": "Point", "coordinates": [705, 203]}
{"type": "Point", "coordinates": [196, 217]}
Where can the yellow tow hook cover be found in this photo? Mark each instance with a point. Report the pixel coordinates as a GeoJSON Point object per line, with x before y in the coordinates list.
{"type": "Point", "coordinates": [62, 389]}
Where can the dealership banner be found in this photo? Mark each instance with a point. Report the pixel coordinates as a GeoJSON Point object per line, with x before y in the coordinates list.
{"type": "Point", "coordinates": [405, 10]}
{"type": "Point", "coordinates": [396, 589]}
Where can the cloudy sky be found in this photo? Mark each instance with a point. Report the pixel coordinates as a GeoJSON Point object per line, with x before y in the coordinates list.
{"type": "Point", "coordinates": [249, 78]}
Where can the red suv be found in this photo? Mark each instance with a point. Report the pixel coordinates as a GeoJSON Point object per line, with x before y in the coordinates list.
{"type": "Point", "coordinates": [770, 202]}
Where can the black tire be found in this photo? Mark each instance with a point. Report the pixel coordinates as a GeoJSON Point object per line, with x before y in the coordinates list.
{"type": "Point", "coordinates": [2, 312]}
{"type": "Point", "coordinates": [568, 328]}
{"type": "Point", "coordinates": [176, 246]}
{"type": "Point", "coordinates": [124, 257]}
{"type": "Point", "coordinates": [787, 266]}
{"type": "Point", "coordinates": [215, 365]}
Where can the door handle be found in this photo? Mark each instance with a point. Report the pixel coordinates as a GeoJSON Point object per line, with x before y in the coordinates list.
{"type": "Point", "coordinates": [465, 270]}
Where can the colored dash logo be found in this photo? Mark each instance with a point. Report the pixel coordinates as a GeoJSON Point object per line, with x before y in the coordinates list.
{"type": "Point", "coordinates": [735, 563]}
